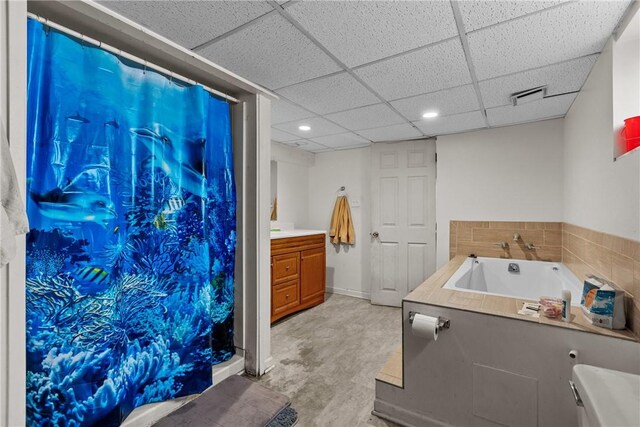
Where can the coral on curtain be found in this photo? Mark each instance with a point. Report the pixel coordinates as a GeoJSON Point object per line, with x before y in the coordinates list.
{"type": "Point", "coordinates": [130, 256]}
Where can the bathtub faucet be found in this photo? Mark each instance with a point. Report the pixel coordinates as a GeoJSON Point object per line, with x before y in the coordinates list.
{"type": "Point", "coordinates": [516, 237]}
{"type": "Point", "coordinates": [503, 245]}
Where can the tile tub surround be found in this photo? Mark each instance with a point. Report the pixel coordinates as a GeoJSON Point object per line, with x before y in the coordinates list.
{"type": "Point", "coordinates": [582, 250]}
{"type": "Point", "coordinates": [481, 238]}
{"type": "Point", "coordinates": [432, 293]}
{"type": "Point", "coordinates": [614, 258]}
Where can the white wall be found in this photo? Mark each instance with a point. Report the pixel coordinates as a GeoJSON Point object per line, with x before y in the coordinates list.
{"type": "Point", "coordinates": [292, 183]}
{"type": "Point", "coordinates": [13, 49]}
{"type": "Point", "coordinates": [506, 174]}
{"type": "Point", "coordinates": [626, 72]}
{"type": "Point", "coordinates": [348, 268]}
{"type": "Point", "coordinates": [599, 193]}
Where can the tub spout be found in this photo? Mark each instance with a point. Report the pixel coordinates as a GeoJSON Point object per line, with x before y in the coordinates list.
{"type": "Point", "coordinates": [516, 237]}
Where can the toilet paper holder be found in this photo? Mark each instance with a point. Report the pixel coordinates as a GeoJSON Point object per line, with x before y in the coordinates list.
{"type": "Point", "coordinates": [442, 322]}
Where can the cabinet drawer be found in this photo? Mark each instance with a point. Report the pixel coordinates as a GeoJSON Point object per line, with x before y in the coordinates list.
{"type": "Point", "coordinates": [285, 267]}
{"type": "Point", "coordinates": [284, 297]}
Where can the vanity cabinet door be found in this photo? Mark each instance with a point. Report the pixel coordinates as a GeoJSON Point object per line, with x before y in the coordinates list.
{"type": "Point", "coordinates": [312, 275]}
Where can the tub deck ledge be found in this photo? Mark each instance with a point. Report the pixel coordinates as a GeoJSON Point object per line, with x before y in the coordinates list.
{"type": "Point", "coordinates": [431, 293]}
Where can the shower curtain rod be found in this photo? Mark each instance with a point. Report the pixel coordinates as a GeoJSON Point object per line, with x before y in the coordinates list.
{"type": "Point", "coordinates": [126, 55]}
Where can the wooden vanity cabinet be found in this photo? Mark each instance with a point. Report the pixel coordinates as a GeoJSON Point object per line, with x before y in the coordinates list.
{"type": "Point", "coordinates": [298, 271]}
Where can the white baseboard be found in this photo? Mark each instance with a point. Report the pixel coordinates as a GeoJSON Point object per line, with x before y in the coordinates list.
{"type": "Point", "coordinates": [404, 417]}
{"type": "Point", "coordinates": [269, 365]}
{"type": "Point", "coordinates": [147, 415]}
{"type": "Point", "coordinates": [350, 293]}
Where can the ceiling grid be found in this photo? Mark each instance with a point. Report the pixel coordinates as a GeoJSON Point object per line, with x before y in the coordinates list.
{"type": "Point", "coordinates": [362, 72]}
{"type": "Point", "coordinates": [467, 54]}
{"type": "Point", "coordinates": [295, 23]}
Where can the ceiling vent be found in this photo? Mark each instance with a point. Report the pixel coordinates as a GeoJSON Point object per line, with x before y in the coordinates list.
{"type": "Point", "coordinates": [529, 95]}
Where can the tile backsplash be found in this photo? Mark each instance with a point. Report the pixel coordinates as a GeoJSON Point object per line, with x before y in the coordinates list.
{"type": "Point", "coordinates": [483, 238]}
{"type": "Point", "coordinates": [582, 250]}
{"type": "Point", "coordinates": [614, 258]}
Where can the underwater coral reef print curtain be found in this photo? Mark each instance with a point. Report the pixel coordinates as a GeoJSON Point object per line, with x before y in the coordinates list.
{"type": "Point", "coordinates": [130, 256]}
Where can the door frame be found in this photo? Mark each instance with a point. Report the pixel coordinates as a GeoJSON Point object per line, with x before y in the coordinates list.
{"type": "Point", "coordinates": [251, 132]}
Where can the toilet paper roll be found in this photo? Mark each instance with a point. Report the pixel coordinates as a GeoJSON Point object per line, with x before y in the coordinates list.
{"type": "Point", "coordinates": [425, 327]}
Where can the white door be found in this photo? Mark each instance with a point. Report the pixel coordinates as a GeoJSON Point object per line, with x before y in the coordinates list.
{"type": "Point", "coordinates": [403, 234]}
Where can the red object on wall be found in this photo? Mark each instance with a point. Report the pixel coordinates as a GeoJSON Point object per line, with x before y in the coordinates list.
{"type": "Point", "coordinates": [631, 133]}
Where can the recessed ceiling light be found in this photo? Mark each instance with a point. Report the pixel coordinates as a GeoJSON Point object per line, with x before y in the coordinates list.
{"type": "Point", "coordinates": [304, 128]}
{"type": "Point", "coordinates": [430, 114]}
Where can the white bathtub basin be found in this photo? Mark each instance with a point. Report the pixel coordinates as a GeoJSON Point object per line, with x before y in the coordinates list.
{"type": "Point", "coordinates": [535, 279]}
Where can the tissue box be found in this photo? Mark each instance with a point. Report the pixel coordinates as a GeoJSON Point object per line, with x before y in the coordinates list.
{"type": "Point", "coordinates": [603, 305]}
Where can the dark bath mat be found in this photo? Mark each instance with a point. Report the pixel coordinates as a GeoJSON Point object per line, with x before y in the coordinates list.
{"type": "Point", "coordinates": [287, 417]}
{"type": "Point", "coordinates": [235, 402]}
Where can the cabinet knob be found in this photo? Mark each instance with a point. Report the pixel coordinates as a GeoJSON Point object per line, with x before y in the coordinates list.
{"type": "Point", "coordinates": [287, 267]}
{"type": "Point", "coordinates": [287, 296]}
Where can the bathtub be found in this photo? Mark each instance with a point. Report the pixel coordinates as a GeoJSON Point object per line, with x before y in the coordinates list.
{"type": "Point", "coordinates": [491, 276]}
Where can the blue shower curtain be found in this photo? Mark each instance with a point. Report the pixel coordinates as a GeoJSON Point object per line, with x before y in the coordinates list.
{"type": "Point", "coordinates": [130, 256]}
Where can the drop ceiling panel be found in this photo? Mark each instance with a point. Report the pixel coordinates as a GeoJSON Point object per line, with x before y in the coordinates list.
{"type": "Point", "coordinates": [553, 35]}
{"type": "Point", "coordinates": [342, 140]}
{"type": "Point", "coordinates": [280, 136]}
{"type": "Point", "coordinates": [319, 127]}
{"type": "Point", "coordinates": [444, 102]}
{"type": "Point", "coordinates": [307, 145]}
{"type": "Point", "coordinates": [190, 23]}
{"type": "Point", "coordinates": [283, 111]}
{"type": "Point", "coordinates": [366, 117]}
{"type": "Point", "coordinates": [451, 124]}
{"type": "Point", "coordinates": [538, 110]}
{"type": "Point", "coordinates": [478, 14]}
{"type": "Point", "coordinates": [559, 78]}
{"type": "Point", "coordinates": [328, 94]}
{"type": "Point", "coordinates": [361, 32]}
{"type": "Point", "coordinates": [390, 133]}
{"type": "Point", "coordinates": [272, 53]}
{"type": "Point", "coordinates": [427, 70]}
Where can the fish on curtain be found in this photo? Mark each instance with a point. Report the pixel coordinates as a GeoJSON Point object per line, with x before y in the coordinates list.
{"type": "Point", "coordinates": [342, 230]}
{"type": "Point", "coordinates": [131, 249]}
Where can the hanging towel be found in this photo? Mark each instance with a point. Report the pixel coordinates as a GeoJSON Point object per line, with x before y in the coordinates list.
{"type": "Point", "coordinates": [274, 210]}
{"type": "Point", "coordinates": [341, 223]}
{"type": "Point", "coordinates": [13, 217]}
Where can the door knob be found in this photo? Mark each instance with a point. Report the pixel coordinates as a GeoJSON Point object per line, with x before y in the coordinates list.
{"type": "Point", "coordinates": [375, 234]}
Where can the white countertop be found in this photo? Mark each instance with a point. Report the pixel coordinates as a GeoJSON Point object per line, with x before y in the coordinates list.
{"type": "Point", "coordinates": [295, 233]}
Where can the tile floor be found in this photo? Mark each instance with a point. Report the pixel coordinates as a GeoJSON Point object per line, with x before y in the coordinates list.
{"type": "Point", "coordinates": [326, 359]}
